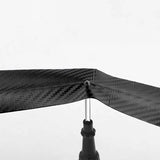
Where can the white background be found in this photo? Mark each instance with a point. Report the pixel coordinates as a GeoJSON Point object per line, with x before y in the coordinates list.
{"type": "Point", "coordinates": [119, 37]}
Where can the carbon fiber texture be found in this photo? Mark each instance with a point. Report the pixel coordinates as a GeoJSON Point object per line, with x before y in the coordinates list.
{"type": "Point", "coordinates": [29, 89]}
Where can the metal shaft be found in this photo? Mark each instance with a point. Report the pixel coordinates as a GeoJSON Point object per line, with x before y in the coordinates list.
{"type": "Point", "coordinates": [87, 109]}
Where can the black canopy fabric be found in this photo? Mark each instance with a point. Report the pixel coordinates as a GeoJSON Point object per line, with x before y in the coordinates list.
{"type": "Point", "coordinates": [29, 89]}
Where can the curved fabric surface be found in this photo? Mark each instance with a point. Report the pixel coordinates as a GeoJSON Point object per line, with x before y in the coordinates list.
{"type": "Point", "coordinates": [29, 89]}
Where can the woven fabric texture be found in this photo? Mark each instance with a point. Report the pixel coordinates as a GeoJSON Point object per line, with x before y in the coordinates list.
{"type": "Point", "coordinates": [29, 89]}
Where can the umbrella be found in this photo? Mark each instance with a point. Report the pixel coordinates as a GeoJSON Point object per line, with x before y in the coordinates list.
{"type": "Point", "coordinates": [30, 89]}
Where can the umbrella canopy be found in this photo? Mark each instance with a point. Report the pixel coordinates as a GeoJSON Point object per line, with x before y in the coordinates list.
{"type": "Point", "coordinates": [29, 89]}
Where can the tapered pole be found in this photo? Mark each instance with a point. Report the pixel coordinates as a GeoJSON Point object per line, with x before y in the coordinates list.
{"type": "Point", "coordinates": [88, 132]}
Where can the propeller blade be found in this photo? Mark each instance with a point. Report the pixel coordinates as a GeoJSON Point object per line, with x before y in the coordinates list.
{"type": "Point", "coordinates": [29, 89]}
{"type": "Point", "coordinates": [134, 99]}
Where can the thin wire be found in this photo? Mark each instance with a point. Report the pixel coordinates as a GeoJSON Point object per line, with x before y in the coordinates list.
{"type": "Point", "coordinates": [87, 109]}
